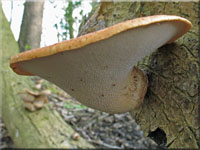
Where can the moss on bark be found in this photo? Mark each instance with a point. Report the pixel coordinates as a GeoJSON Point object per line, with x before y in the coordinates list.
{"type": "Point", "coordinates": [39, 129]}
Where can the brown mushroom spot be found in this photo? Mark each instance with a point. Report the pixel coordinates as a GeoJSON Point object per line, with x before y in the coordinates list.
{"type": "Point", "coordinates": [113, 84]}
{"type": "Point", "coordinates": [106, 67]}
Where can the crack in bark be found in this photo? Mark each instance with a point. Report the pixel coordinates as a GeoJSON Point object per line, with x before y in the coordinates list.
{"type": "Point", "coordinates": [168, 145]}
{"type": "Point", "coordinates": [34, 125]}
{"type": "Point", "coordinates": [195, 135]}
{"type": "Point", "coordinates": [188, 50]}
{"type": "Point", "coordinates": [190, 128]}
{"type": "Point", "coordinates": [180, 91]}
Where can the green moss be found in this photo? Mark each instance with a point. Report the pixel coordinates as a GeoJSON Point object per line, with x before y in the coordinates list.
{"type": "Point", "coordinates": [40, 129]}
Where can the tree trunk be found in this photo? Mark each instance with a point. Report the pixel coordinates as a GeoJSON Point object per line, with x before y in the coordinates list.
{"type": "Point", "coordinates": [31, 27]}
{"type": "Point", "coordinates": [39, 129]}
{"type": "Point", "coordinates": [169, 114]}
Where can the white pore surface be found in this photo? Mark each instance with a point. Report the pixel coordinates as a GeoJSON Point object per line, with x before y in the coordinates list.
{"type": "Point", "coordinates": [88, 73]}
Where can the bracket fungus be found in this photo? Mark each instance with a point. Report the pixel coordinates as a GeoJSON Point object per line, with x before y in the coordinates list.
{"type": "Point", "coordinates": [34, 100]}
{"type": "Point", "coordinates": [98, 69]}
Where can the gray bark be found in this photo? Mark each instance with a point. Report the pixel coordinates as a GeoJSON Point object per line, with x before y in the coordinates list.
{"type": "Point", "coordinates": [31, 27]}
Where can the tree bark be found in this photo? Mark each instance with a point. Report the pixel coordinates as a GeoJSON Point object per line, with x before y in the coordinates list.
{"type": "Point", "coordinates": [170, 113]}
{"type": "Point", "coordinates": [31, 27]}
{"type": "Point", "coordinates": [39, 129]}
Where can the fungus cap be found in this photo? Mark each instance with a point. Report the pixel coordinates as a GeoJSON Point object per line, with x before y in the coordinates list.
{"type": "Point", "coordinates": [98, 69]}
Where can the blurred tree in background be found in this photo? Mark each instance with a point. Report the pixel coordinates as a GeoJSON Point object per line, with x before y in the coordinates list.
{"type": "Point", "coordinates": [31, 27]}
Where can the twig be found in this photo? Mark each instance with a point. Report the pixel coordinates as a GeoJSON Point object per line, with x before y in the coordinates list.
{"type": "Point", "coordinates": [104, 144]}
{"type": "Point", "coordinates": [59, 98]}
{"type": "Point", "coordinates": [91, 121]}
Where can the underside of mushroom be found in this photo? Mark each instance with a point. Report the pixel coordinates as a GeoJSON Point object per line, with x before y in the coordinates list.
{"type": "Point", "coordinates": [98, 69]}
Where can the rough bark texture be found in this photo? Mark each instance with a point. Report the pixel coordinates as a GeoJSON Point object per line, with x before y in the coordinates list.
{"type": "Point", "coordinates": [170, 113]}
{"type": "Point", "coordinates": [31, 27]}
{"type": "Point", "coordinates": [39, 129]}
